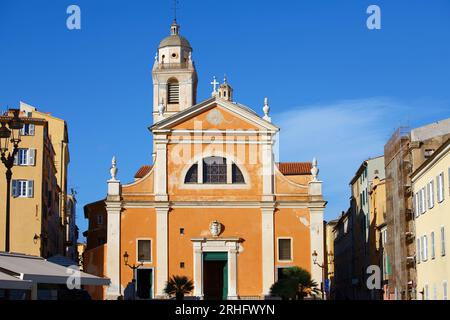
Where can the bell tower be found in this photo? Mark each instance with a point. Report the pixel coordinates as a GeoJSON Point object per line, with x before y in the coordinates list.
{"type": "Point", "coordinates": [174, 76]}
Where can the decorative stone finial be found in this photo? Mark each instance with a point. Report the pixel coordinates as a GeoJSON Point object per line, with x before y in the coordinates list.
{"type": "Point", "coordinates": [314, 169]}
{"type": "Point", "coordinates": [156, 56]}
{"type": "Point", "coordinates": [214, 84]}
{"type": "Point", "coordinates": [266, 110]}
{"type": "Point", "coordinates": [113, 169]}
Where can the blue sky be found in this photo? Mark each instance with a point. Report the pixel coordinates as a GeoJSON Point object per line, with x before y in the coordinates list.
{"type": "Point", "coordinates": [337, 89]}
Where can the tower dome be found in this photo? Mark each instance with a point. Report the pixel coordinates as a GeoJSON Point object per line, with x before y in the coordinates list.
{"type": "Point", "coordinates": [175, 40]}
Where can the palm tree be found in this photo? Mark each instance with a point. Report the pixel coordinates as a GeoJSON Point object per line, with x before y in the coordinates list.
{"type": "Point", "coordinates": [296, 284]}
{"type": "Point", "coordinates": [179, 286]}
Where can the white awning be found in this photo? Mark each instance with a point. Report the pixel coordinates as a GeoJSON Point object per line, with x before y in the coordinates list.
{"type": "Point", "coordinates": [39, 270]}
{"type": "Point", "coordinates": [10, 282]}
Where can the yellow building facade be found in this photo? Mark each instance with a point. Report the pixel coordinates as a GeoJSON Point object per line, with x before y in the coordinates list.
{"type": "Point", "coordinates": [39, 186]}
{"type": "Point", "coordinates": [430, 184]}
{"type": "Point", "coordinates": [214, 205]}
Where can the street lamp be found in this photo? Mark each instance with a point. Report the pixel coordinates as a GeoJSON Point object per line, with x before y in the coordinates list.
{"type": "Point", "coordinates": [322, 266]}
{"type": "Point", "coordinates": [134, 268]}
{"type": "Point", "coordinates": [7, 156]}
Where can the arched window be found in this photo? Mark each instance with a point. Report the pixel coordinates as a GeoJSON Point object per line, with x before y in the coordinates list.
{"type": "Point", "coordinates": [214, 170]}
{"type": "Point", "coordinates": [173, 91]}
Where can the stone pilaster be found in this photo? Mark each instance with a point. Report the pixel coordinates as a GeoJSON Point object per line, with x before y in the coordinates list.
{"type": "Point", "coordinates": [162, 250]}
{"type": "Point", "coordinates": [268, 248]}
{"type": "Point", "coordinates": [113, 209]}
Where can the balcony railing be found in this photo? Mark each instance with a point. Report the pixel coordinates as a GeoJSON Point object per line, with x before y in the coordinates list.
{"type": "Point", "coordinates": [165, 66]}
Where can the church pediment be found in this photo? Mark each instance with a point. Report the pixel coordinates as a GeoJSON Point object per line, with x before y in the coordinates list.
{"type": "Point", "coordinates": [215, 114]}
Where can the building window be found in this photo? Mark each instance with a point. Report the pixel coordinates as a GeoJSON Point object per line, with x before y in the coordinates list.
{"type": "Point", "coordinates": [192, 175]}
{"type": "Point", "coordinates": [424, 248]}
{"type": "Point", "coordinates": [423, 198]}
{"type": "Point", "coordinates": [215, 170]}
{"type": "Point", "coordinates": [173, 91]}
{"type": "Point", "coordinates": [144, 251]}
{"type": "Point", "coordinates": [25, 157]}
{"type": "Point", "coordinates": [433, 254]}
{"type": "Point", "coordinates": [284, 249]}
{"type": "Point", "coordinates": [27, 129]}
{"type": "Point", "coordinates": [440, 187]}
{"type": "Point", "coordinates": [23, 188]}
{"type": "Point", "coordinates": [182, 231]}
{"type": "Point", "coordinates": [428, 153]}
{"type": "Point", "coordinates": [100, 219]}
{"type": "Point", "coordinates": [417, 204]}
{"type": "Point", "coordinates": [426, 292]}
{"type": "Point", "coordinates": [181, 265]}
{"type": "Point", "coordinates": [431, 194]}
{"type": "Point", "coordinates": [442, 241]}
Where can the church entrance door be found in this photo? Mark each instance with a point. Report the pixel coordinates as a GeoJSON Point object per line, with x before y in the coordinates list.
{"type": "Point", "coordinates": [215, 275]}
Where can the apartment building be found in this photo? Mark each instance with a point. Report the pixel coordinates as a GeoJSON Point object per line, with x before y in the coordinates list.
{"type": "Point", "coordinates": [431, 189]}
{"type": "Point", "coordinates": [39, 187]}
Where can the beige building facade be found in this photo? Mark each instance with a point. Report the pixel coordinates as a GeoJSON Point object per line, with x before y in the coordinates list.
{"type": "Point", "coordinates": [430, 184]}
{"type": "Point", "coordinates": [39, 187]}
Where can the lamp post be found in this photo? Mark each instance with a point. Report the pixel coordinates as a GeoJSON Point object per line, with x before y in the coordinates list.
{"type": "Point", "coordinates": [7, 156]}
{"type": "Point", "coordinates": [132, 267]}
{"type": "Point", "coordinates": [322, 266]}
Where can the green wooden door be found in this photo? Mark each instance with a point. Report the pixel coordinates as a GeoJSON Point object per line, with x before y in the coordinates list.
{"type": "Point", "coordinates": [223, 257]}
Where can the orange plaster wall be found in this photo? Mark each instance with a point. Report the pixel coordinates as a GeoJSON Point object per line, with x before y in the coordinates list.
{"type": "Point", "coordinates": [243, 223]}
{"type": "Point", "coordinates": [230, 121]}
{"type": "Point", "coordinates": [94, 262]}
{"type": "Point", "coordinates": [136, 223]}
{"type": "Point", "coordinates": [288, 224]}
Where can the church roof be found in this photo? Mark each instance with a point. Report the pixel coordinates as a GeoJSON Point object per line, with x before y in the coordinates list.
{"type": "Point", "coordinates": [143, 171]}
{"type": "Point", "coordinates": [295, 168]}
{"type": "Point", "coordinates": [175, 41]}
{"type": "Point", "coordinates": [244, 111]}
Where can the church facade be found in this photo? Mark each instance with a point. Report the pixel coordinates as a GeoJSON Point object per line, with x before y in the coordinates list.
{"type": "Point", "coordinates": [214, 205]}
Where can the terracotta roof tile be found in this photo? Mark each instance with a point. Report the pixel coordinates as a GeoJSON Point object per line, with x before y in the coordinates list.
{"type": "Point", "coordinates": [143, 171]}
{"type": "Point", "coordinates": [295, 168]}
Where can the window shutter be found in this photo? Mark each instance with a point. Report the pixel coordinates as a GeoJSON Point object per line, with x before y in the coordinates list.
{"type": "Point", "coordinates": [425, 251]}
{"type": "Point", "coordinates": [14, 188]}
{"type": "Point", "coordinates": [433, 253]}
{"type": "Point", "coordinates": [31, 157]}
{"type": "Point", "coordinates": [31, 130]}
{"type": "Point", "coordinates": [419, 257]}
{"type": "Point", "coordinates": [284, 248]}
{"type": "Point", "coordinates": [432, 193]}
{"type": "Point", "coordinates": [144, 250]}
{"type": "Point", "coordinates": [30, 189]}
{"type": "Point", "coordinates": [442, 241]}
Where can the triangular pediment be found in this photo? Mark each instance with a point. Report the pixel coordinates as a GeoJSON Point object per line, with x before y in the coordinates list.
{"type": "Point", "coordinates": [215, 114]}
